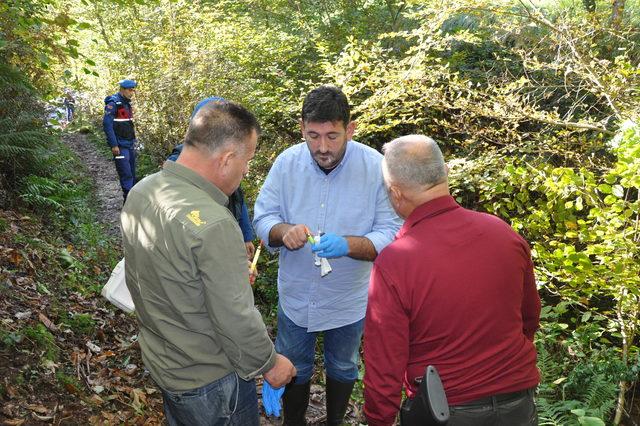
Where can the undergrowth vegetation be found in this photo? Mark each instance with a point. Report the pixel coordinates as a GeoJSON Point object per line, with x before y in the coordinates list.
{"type": "Point", "coordinates": [536, 105]}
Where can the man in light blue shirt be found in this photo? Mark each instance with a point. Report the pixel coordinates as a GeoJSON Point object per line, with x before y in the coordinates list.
{"type": "Point", "coordinates": [332, 185]}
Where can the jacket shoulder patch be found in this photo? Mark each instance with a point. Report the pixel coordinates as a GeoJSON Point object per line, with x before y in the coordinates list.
{"type": "Point", "coordinates": [194, 217]}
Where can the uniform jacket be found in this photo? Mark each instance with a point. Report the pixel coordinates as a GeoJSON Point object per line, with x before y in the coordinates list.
{"type": "Point", "coordinates": [118, 121]}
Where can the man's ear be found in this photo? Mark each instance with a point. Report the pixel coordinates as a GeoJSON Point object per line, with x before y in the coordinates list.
{"type": "Point", "coordinates": [395, 193]}
{"type": "Point", "coordinates": [351, 128]}
{"type": "Point", "coordinates": [301, 127]}
{"type": "Point", "coordinates": [226, 158]}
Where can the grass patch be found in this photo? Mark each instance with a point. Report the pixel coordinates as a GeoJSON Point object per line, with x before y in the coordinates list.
{"type": "Point", "coordinates": [80, 323]}
{"type": "Point", "coordinates": [43, 340]}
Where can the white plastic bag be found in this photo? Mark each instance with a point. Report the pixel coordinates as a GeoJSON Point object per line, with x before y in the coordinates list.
{"type": "Point", "coordinates": [116, 291]}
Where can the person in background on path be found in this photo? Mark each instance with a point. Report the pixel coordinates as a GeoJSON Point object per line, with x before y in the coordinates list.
{"type": "Point", "coordinates": [333, 184]}
{"type": "Point", "coordinates": [120, 132]}
{"type": "Point", "coordinates": [237, 205]}
{"type": "Point", "coordinates": [69, 104]}
{"type": "Point", "coordinates": [186, 267]}
{"type": "Point", "coordinates": [455, 290]}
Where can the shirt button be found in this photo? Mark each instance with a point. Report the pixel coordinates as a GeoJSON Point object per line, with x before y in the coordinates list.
{"type": "Point", "coordinates": [322, 205]}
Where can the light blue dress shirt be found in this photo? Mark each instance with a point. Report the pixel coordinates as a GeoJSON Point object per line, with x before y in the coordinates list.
{"type": "Point", "coordinates": [351, 200]}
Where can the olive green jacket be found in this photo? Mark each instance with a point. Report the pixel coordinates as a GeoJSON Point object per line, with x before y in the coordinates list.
{"type": "Point", "coordinates": [186, 269]}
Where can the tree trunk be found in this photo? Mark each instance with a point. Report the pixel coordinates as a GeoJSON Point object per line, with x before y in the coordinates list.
{"type": "Point", "coordinates": [617, 10]}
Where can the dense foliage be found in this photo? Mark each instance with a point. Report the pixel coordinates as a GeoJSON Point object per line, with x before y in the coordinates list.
{"type": "Point", "coordinates": [536, 104]}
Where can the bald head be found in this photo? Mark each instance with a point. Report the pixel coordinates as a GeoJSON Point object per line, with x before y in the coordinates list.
{"type": "Point", "coordinates": [414, 162]}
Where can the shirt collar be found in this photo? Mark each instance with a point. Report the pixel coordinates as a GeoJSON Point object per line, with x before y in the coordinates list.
{"type": "Point", "coordinates": [189, 175]}
{"type": "Point", "coordinates": [428, 210]}
{"type": "Point", "coordinates": [315, 165]}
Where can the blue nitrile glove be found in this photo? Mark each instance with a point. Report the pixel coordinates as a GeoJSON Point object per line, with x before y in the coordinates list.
{"type": "Point", "coordinates": [271, 399]}
{"type": "Point", "coordinates": [331, 245]}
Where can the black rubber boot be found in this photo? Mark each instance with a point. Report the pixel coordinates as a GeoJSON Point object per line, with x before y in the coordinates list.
{"type": "Point", "coordinates": [294, 404]}
{"type": "Point", "coordinates": [338, 394]}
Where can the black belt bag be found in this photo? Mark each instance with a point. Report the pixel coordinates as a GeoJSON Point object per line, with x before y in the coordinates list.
{"type": "Point", "coordinates": [429, 407]}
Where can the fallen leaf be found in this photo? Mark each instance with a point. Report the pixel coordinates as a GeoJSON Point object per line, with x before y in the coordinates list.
{"type": "Point", "coordinates": [42, 418]}
{"type": "Point", "coordinates": [96, 399]}
{"type": "Point", "coordinates": [13, 422]}
{"type": "Point", "coordinates": [94, 348]}
{"type": "Point", "coordinates": [150, 391]}
{"type": "Point", "coordinates": [16, 259]}
{"type": "Point", "coordinates": [41, 409]}
{"type": "Point", "coordinates": [71, 388]}
{"type": "Point", "coordinates": [11, 391]}
{"type": "Point", "coordinates": [47, 322]}
{"type": "Point", "coordinates": [50, 365]}
{"type": "Point", "coordinates": [23, 315]}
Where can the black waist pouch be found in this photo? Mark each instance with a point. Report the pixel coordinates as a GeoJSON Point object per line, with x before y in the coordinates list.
{"type": "Point", "coordinates": [429, 407]}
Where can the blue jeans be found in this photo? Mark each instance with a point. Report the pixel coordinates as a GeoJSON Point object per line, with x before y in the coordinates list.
{"type": "Point", "coordinates": [341, 349]}
{"type": "Point", "coordinates": [226, 401]}
{"type": "Point", "coordinates": [126, 168]}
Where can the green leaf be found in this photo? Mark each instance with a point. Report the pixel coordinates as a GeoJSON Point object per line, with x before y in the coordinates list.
{"type": "Point", "coordinates": [590, 421]}
{"type": "Point", "coordinates": [618, 191]}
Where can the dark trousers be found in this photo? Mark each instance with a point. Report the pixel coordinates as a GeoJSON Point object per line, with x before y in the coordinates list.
{"type": "Point", "coordinates": [500, 410]}
{"type": "Point", "coordinates": [513, 409]}
{"type": "Point", "coordinates": [126, 168]}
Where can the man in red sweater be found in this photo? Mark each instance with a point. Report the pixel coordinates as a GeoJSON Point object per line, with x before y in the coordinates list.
{"type": "Point", "coordinates": [455, 290]}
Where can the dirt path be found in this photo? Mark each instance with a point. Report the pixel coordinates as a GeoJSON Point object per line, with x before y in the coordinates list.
{"type": "Point", "coordinates": [104, 176]}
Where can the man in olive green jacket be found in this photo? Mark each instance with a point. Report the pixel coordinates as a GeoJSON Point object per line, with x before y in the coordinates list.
{"type": "Point", "coordinates": [201, 336]}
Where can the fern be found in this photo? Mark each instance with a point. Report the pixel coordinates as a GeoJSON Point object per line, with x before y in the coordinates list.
{"type": "Point", "coordinates": [46, 193]}
{"type": "Point", "coordinates": [556, 413]}
{"type": "Point", "coordinates": [600, 396]}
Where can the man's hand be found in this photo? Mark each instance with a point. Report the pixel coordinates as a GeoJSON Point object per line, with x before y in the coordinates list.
{"type": "Point", "coordinates": [115, 150]}
{"type": "Point", "coordinates": [295, 237]}
{"type": "Point", "coordinates": [253, 274]}
{"type": "Point", "coordinates": [281, 373]}
{"type": "Point", "coordinates": [251, 249]}
{"type": "Point", "coordinates": [331, 245]}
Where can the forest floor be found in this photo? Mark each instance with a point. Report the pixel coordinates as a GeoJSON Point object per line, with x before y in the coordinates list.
{"type": "Point", "coordinates": [66, 355]}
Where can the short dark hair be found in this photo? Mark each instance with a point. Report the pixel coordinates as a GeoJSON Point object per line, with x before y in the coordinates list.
{"type": "Point", "coordinates": [220, 122]}
{"type": "Point", "coordinates": [326, 103]}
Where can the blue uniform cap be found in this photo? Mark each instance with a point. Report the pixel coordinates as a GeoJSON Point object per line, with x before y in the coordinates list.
{"type": "Point", "coordinates": [127, 84]}
{"type": "Point", "coordinates": [204, 102]}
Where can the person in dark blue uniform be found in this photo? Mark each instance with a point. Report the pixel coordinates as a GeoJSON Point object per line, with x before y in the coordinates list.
{"type": "Point", "coordinates": [120, 132]}
{"type": "Point", "coordinates": [237, 205]}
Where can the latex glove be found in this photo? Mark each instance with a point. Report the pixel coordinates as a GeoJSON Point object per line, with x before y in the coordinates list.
{"type": "Point", "coordinates": [271, 399]}
{"type": "Point", "coordinates": [331, 245]}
